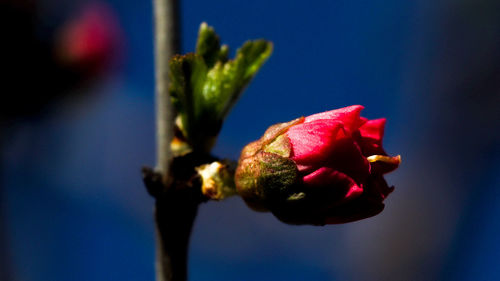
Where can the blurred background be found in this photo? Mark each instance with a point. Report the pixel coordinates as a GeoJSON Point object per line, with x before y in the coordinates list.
{"type": "Point", "coordinates": [77, 123]}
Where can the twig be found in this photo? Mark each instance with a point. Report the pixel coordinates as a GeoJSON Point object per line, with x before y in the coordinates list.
{"type": "Point", "coordinates": [175, 211]}
{"type": "Point", "coordinates": [176, 204]}
{"type": "Point", "coordinates": [167, 44]}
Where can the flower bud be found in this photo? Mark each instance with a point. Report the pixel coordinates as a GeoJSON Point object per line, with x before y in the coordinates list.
{"type": "Point", "coordinates": [326, 168]}
{"type": "Point", "coordinates": [91, 42]}
{"type": "Point", "coordinates": [217, 181]}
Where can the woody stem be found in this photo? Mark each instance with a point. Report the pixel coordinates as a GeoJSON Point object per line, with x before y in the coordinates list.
{"type": "Point", "coordinates": [175, 208]}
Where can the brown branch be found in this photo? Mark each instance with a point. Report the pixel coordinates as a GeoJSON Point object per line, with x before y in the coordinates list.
{"type": "Point", "coordinates": [175, 211]}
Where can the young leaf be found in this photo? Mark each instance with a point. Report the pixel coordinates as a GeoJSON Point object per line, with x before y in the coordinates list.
{"type": "Point", "coordinates": [206, 84]}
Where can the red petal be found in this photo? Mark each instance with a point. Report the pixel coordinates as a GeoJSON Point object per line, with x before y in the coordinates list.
{"type": "Point", "coordinates": [370, 141]}
{"type": "Point", "coordinates": [362, 121]}
{"type": "Point", "coordinates": [336, 186]}
{"type": "Point", "coordinates": [370, 137]}
{"type": "Point", "coordinates": [349, 116]}
{"type": "Point", "coordinates": [304, 169]}
{"type": "Point", "coordinates": [313, 142]}
{"type": "Point", "coordinates": [369, 204]}
{"type": "Point", "coordinates": [347, 158]}
{"type": "Point", "coordinates": [377, 188]}
{"type": "Point", "coordinates": [373, 129]}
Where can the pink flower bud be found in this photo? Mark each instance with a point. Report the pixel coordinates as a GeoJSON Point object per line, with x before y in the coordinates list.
{"type": "Point", "coordinates": [326, 168]}
{"type": "Point", "coordinates": [91, 42]}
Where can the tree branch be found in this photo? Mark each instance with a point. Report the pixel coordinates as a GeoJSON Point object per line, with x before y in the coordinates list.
{"type": "Point", "coordinates": [175, 210]}
{"type": "Point", "coordinates": [176, 206]}
{"type": "Point", "coordinates": [167, 44]}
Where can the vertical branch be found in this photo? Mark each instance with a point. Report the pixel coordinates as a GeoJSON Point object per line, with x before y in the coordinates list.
{"type": "Point", "coordinates": [174, 211]}
{"type": "Point", "coordinates": [167, 43]}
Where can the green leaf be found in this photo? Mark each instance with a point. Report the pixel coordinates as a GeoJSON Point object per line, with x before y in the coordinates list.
{"type": "Point", "coordinates": [205, 85]}
{"type": "Point", "coordinates": [249, 58]}
{"type": "Point", "coordinates": [187, 75]}
{"type": "Point", "coordinates": [208, 45]}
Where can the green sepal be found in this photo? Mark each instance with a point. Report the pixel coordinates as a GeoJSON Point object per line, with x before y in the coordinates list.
{"type": "Point", "coordinates": [265, 178]}
{"type": "Point", "coordinates": [208, 46]}
{"type": "Point", "coordinates": [281, 146]}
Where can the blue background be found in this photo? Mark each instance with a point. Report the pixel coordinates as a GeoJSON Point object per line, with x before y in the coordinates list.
{"type": "Point", "coordinates": [77, 210]}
